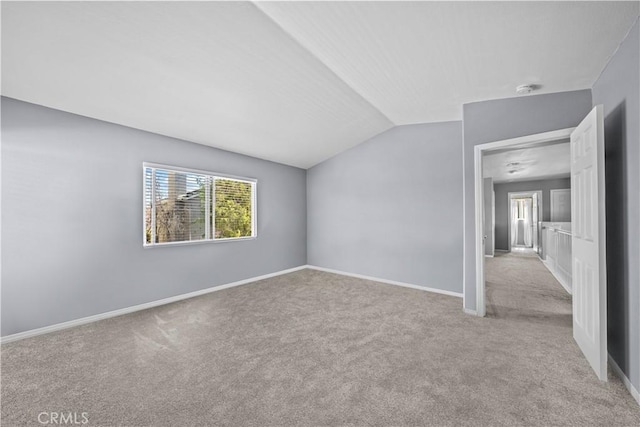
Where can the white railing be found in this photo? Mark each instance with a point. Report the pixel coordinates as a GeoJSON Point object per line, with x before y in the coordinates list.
{"type": "Point", "coordinates": [556, 247]}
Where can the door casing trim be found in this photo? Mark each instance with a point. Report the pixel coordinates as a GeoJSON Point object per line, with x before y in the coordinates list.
{"type": "Point", "coordinates": [520, 142]}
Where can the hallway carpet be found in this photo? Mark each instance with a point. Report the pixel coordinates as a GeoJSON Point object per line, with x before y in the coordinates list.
{"type": "Point", "coordinates": [317, 349]}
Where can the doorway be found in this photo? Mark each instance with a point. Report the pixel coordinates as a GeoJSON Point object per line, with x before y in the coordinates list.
{"type": "Point", "coordinates": [510, 144]}
{"type": "Point", "coordinates": [525, 214]}
{"type": "Point", "coordinates": [588, 258]}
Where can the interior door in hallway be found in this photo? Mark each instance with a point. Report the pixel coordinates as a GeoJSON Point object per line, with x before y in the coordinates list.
{"type": "Point", "coordinates": [589, 280]}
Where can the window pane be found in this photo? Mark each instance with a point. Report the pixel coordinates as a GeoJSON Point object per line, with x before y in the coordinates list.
{"type": "Point", "coordinates": [232, 208]}
{"type": "Point", "coordinates": [179, 206]}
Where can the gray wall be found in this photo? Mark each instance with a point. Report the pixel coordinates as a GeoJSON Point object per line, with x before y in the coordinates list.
{"type": "Point", "coordinates": [618, 89]}
{"type": "Point", "coordinates": [392, 207]}
{"type": "Point", "coordinates": [502, 203]}
{"type": "Point", "coordinates": [72, 219]}
{"type": "Point", "coordinates": [496, 120]}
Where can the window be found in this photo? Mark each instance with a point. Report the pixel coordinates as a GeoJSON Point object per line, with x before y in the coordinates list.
{"type": "Point", "coordinates": [520, 211]}
{"type": "Point", "coordinates": [182, 205]}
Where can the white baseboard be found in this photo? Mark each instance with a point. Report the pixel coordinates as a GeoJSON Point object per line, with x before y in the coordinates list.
{"type": "Point", "coordinates": [127, 310]}
{"type": "Point", "coordinates": [488, 256]}
{"type": "Point", "coordinates": [388, 282]}
{"type": "Point", "coordinates": [625, 380]}
{"type": "Point", "coordinates": [469, 311]}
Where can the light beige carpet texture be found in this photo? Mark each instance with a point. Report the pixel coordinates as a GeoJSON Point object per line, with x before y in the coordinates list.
{"type": "Point", "coordinates": [317, 349]}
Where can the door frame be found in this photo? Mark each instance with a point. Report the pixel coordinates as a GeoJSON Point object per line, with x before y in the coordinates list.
{"type": "Point", "coordinates": [520, 142]}
{"type": "Point", "coordinates": [518, 194]}
{"type": "Point", "coordinates": [492, 228]}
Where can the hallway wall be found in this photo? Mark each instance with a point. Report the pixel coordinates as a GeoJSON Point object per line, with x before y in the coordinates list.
{"type": "Point", "coordinates": [502, 203]}
{"type": "Point", "coordinates": [618, 89]}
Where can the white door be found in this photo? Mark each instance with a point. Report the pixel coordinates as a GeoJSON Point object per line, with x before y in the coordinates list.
{"type": "Point", "coordinates": [589, 281]}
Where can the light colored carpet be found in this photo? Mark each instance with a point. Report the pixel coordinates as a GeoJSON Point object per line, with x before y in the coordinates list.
{"type": "Point", "coordinates": [313, 348]}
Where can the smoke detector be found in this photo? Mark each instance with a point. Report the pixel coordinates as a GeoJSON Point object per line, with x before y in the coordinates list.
{"type": "Point", "coordinates": [525, 89]}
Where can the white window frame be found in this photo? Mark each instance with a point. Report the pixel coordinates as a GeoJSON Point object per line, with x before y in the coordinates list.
{"type": "Point", "coordinates": [213, 176]}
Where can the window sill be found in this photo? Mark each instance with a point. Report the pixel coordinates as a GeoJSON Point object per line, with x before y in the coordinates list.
{"type": "Point", "coordinates": [198, 242]}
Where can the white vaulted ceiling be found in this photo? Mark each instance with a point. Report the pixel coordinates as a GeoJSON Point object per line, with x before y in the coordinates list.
{"type": "Point", "coordinates": [297, 82]}
{"type": "Point", "coordinates": [420, 61]}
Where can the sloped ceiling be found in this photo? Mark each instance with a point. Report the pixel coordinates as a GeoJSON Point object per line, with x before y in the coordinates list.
{"type": "Point", "coordinates": [297, 83]}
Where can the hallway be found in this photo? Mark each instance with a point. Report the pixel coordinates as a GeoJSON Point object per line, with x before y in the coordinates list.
{"type": "Point", "coordinates": [519, 287]}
